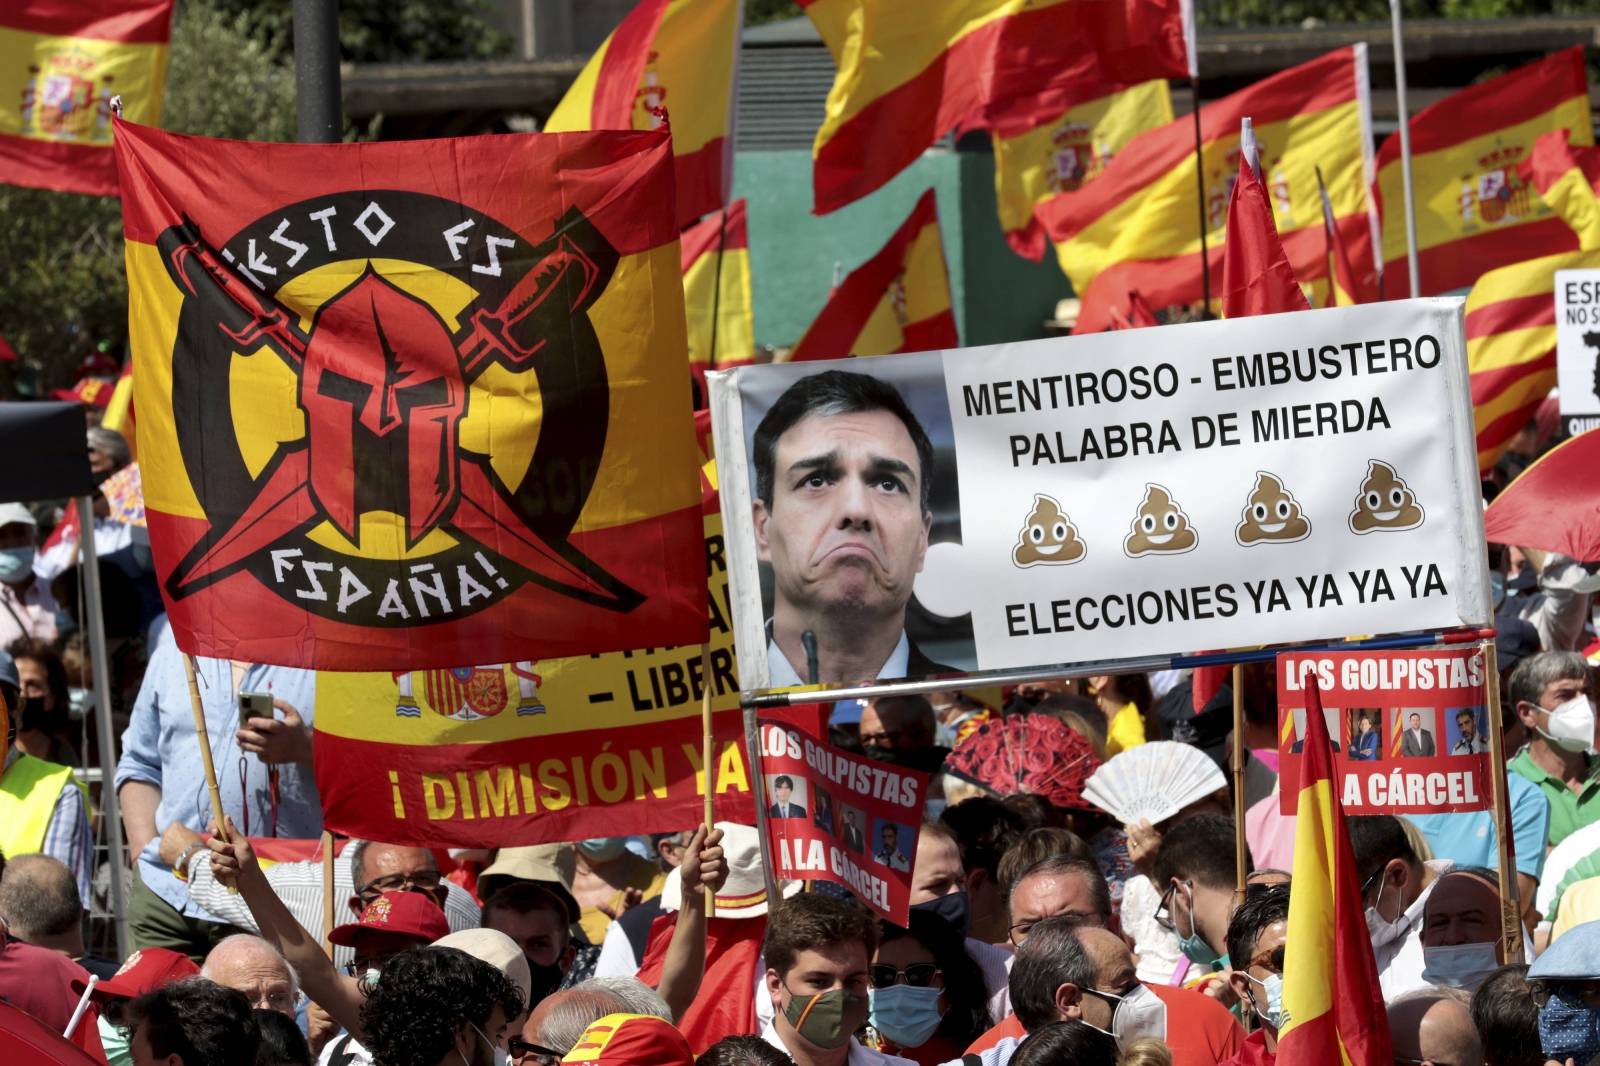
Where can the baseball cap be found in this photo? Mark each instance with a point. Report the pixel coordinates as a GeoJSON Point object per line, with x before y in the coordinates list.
{"type": "Point", "coordinates": [496, 949]}
{"type": "Point", "coordinates": [631, 1040]}
{"type": "Point", "coordinates": [1572, 956]}
{"type": "Point", "coordinates": [145, 970]}
{"type": "Point", "coordinates": [553, 865]}
{"type": "Point", "coordinates": [405, 913]}
{"type": "Point", "coordinates": [16, 513]}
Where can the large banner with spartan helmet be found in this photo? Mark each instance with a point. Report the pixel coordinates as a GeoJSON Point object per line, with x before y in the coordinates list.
{"type": "Point", "coordinates": [1161, 491]}
{"type": "Point", "coordinates": [413, 404]}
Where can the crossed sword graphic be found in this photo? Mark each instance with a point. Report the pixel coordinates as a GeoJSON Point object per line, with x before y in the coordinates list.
{"type": "Point", "coordinates": [251, 318]}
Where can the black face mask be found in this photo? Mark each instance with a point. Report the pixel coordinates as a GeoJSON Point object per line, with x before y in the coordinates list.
{"type": "Point", "coordinates": [31, 715]}
{"type": "Point", "coordinates": [928, 760]}
{"type": "Point", "coordinates": [952, 907]}
{"type": "Point", "coordinates": [545, 980]}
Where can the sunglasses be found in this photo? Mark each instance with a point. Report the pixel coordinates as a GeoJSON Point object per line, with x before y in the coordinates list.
{"type": "Point", "coordinates": [423, 880]}
{"type": "Point", "coordinates": [525, 1054]}
{"type": "Point", "coordinates": [917, 975]}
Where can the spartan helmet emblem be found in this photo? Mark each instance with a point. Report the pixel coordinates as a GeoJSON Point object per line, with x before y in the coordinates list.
{"type": "Point", "coordinates": [370, 401]}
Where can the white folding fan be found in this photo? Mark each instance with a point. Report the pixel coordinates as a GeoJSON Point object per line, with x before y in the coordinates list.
{"type": "Point", "coordinates": [1154, 781]}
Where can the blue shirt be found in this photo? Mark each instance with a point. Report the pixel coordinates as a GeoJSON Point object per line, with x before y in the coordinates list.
{"type": "Point", "coordinates": [1468, 839]}
{"type": "Point", "coordinates": [160, 748]}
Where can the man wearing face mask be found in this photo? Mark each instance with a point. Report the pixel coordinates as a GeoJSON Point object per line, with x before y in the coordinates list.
{"type": "Point", "coordinates": [1257, 933]}
{"type": "Point", "coordinates": [1395, 887]}
{"type": "Point", "coordinates": [817, 951]}
{"type": "Point", "coordinates": [900, 730]}
{"type": "Point", "coordinates": [27, 609]}
{"type": "Point", "coordinates": [1086, 972]}
{"type": "Point", "coordinates": [1565, 982]}
{"type": "Point", "coordinates": [939, 886]}
{"type": "Point", "coordinates": [1461, 930]}
{"type": "Point", "coordinates": [1194, 872]}
{"type": "Point", "coordinates": [1551, 694]}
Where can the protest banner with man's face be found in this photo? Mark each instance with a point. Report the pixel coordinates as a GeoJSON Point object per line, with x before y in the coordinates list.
{"type": "Point", "coordinates": [1283, 478]}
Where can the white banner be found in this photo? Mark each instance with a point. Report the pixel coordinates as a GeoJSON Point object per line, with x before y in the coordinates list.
{"type": "Point", "coordinates": [1268, 480]}
{"type": "Point", "coordinates": [1578, 349]}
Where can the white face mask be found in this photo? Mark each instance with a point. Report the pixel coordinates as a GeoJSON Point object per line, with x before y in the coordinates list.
{"type": "Point", "coordinates": [1463, 966]}
{"type": "Point", "coordinates": [1382, 930]}
{"type": "Point", "coordinates": [1140, 1013]}
{"type": "Point", "coordinates": [1571, 725]}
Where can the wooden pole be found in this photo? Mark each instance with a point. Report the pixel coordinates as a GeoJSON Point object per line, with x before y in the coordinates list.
{"type": "Point", "coordinates": [327, 892]}
{"type": "Point", "coordinates": [1239, 848]}
{"type": "Point", "coordinates": [708, 752]}
{"type": "Point", "coordinates": [204, 737]}
{"type": "Point", "coordinates": [1505, 852]}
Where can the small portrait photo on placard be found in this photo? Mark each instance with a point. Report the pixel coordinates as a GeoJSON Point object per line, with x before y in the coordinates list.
{"type": "Point", "coordinates": [1419, 731]}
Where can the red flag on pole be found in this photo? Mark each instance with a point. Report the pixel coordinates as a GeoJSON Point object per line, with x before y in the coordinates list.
{"type": "Point", "coordinates": [1256, 276]}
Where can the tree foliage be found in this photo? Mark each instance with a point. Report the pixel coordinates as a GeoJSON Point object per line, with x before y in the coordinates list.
{"type": "Point", "coordinates": [386, 31]}
{"type": "Point", "coordinates": [758, 11]}
{"type": "Point", "coordinates": [1243, 13]}
{"type": "Point", "coordinates": [65, 290]}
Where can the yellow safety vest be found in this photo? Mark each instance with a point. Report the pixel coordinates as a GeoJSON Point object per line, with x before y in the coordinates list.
{"type": "Point", "coordinates": [28, 794]}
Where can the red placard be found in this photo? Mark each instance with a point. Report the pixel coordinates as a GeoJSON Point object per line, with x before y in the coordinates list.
{"type": "Point", "coordinates": [1410, 728]}
{"type": "Point", "coordinates": [836, 816]}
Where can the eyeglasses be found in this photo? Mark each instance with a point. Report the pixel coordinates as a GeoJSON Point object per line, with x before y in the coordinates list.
{"type": "Point", "coordinates": [917, 975]}
{"type": "Point", "coordinates": [1585, 992]}
{"type": "Point", "coordinates": [419, 881]}
{"type": "Point", "coordinates": [525, 1054]}
{"type": "Point", "coordinates": [1020, 931]}
{"type": "Point", "coordinates": [1163, 913]}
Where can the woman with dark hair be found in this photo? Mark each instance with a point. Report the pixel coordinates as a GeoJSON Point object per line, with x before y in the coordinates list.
{"type": "Point", "coordinates": [1076, 1042]}
{"type": "Point", "coordinates": [928, 997]}
{"type": "Point", "coordinates": [43, 722]}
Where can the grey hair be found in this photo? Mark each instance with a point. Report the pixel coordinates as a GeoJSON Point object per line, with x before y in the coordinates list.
{"type": "Point", "coordinates": [571, 1012]}
{"type": "Point", "coordinates": [39, 897]}
{"type": "Point", "coordinates": [1532, 674]}
{"type": "Point", "coordinates": [112, 443]}
{"type": "Point", "coordinates": [239, 942]}
{"type": "Point", "coordinates": [638, 997]}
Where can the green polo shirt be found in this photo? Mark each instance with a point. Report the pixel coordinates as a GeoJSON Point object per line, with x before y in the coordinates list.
{"type": "Point", "coordinates": [1569, 810]}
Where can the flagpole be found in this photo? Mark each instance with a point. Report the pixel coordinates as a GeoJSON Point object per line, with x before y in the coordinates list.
{"type": "Point", "coordinates": [203, 735]}
{"type": "Point", "coordinates": [1240, 863]}
{"type": "Point", "coordinates": [327, 893]}
{"type": "Point", "coordinates": [1200, 185]}
{"type": "Point", "coordinates": [708, 752]}
{"type": "Point", "coordinates": [318, 107]}
{"type": "Point", "coordinates": [100, 663]}
{"type": "Point", "coordinates": [1405, 150]}
{"type": "Point", "coordinates": [1505, 857]}
{"type": "Point", "coordinates": [716, 290]}
{"type": "Point", "coordinates": [758, 788]}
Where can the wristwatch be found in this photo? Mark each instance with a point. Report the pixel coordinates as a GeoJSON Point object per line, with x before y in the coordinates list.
{"type": "Point", "coordinates": [180, 868]}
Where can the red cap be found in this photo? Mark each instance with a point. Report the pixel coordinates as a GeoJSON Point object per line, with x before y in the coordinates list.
{"type": "Point", "coordinates": [631, 1040]}
{"type": "Point", "coordinates": [403, 913]}
{"type": "Point", "coordinates": [146, 970]}
{"type": "Point", "coordinates": [93, 391]}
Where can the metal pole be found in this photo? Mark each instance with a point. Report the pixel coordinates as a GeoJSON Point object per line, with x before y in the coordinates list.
{"type": "Point", "coordinates": [100, 663]}
{"type": "Point", "coordinates": [1062, 671]}
{"type": "Point", "coordinates": [1200, 184]}
{"type": "Point", "coordinates": [316, 72]}
{"type": "Point", "coordinates": [758, 786]}
{"type": "Point", "coordinates": [1240, 848]}
{"type": "Point", "coordinates": [1405, 150]}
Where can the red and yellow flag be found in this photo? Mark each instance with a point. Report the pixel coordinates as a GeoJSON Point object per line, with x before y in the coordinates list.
{"type": "Point", "coordinates": [60, 65]}
{"type": "Point", "coordinates": [1256, 276]}
{"type": "Point", "coordinates": [1063, 143]}
{"type": "Point", "coordinates": [1330, 980]}
{"type": "Point", "coordinates": [1475, 211]}
{"type": "Point", "coordinates": [1511, 346]}
{"type": "Point", "coordinates": [910, 71]}
{"type": "Point", "coordinates": [1568, 180]}
{"type": "Point", "coordinates": [717, 297]}
{"type": "Point", "coordinates": [897, 301]}
{"type": "Point", "coordinates": [1136, 225]}
{"type": "Point", "coordinates": [670, 62]}
{"type": "Point", "coordinates": [413, 404]}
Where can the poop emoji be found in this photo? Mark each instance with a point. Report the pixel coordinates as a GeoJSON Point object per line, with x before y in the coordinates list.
{"type": "Point", "coordinates": [1271, 515]}
{"type": "Point", "coordinates": [1160, 526]}
{"type": "Point", "coordinates": [1048, 537]}
{"type": "Point", "coordinates": [1385, 501]}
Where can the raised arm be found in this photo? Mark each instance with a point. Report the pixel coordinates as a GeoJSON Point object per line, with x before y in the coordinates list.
{"type": "Point", "coordinates": [685, 964]}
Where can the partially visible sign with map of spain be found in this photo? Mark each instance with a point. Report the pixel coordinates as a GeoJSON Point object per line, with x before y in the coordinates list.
{"type": "Point", "coordinates": [538, 750]}
{"type": "Point", "coordinates": [413, 405]}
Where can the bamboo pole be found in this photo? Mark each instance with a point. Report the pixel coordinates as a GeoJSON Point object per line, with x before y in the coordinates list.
{"type": "Point", "coordinates": [708, 753]}
{"type": "Point", "coordinates": [204, 736]}
{"type": "Point", "coordinates": [327, 892]}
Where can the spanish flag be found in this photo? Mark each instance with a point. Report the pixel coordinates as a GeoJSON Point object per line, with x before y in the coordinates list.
{"type": "Point", "coordinates": [60, 66]}
{"type": "Point", "coordinates": [897, 301]}
{"type": "Point", "coordinates": [1568, 180]}
{"type": "Point", "coordinates": [670, 63]}
{"type": "Point", "coordinates": [1256, 276]}
{"type": "Point", "coordinates": [1349, 285]}
{"type": "Point", "coordinates": [1062, 143]}
{"type": "Point", "coordinates": [1475, 211]}
{"type": "Point", "coordinates": [1330, 981]}
{"type": "Point", "coordinates": [413, 404]}
{"type": "Point", "coordinates": [1136, 225]}
{"type": "Point", "coordinates": [1511, 346]}
{"type": "Point", "coordinates": [910, 71]}
{"type": "Point", "coordinates": [717, 296]}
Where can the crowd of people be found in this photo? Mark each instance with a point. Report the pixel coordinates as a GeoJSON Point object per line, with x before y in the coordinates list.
{"type": "Point", "coordinates": [1041, 928]}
